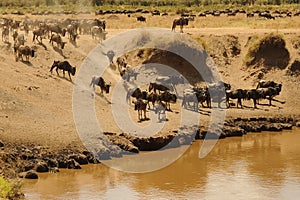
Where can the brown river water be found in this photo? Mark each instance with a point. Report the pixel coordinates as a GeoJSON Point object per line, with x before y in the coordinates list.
{"type": "Point", "coordinates": [255, 166]}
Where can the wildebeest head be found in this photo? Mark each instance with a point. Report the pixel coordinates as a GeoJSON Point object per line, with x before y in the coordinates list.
{"type": "Point", "coordinates": [32, 52]}
{"type": "Point", "coordinates": [73, 71]}
{"type": "Point", "coordinates": [107, 86]}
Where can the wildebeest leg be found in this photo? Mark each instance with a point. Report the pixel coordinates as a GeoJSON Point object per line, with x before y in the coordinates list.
{"type": "Point", "coordinates": [181, 28]}
{"type": "Point", "coordinates": [69, 76]}
{"type": "Point", "coordinates": [270, 100]}
{"type": "Point", "coordinates": [57, 71]}
{"type": "Point", "coordinates": [254, 102]}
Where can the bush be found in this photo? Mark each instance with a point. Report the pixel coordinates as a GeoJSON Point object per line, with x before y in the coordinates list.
{"type": "Point", "coordinates": [9, 189]}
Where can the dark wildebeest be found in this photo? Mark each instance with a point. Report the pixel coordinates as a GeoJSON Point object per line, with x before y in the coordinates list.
{"type": "Point", "coordinates": [269, 93]}
{"type": "Point", "coordinates": [5, 33]}
{"type": "Point", "coordinates": [98, 80]}
{"type": "Point", "coordinates": [181, 22]}
{"type": "Point", "coordinates": [65, 66]}
{"type": "Point", "coordinates": [141, 18]}
{"type": "Point", "coordinates": [217, 91]}
{"type": "Point", "coordinates": [141, 106]}
{"type": "Point", "coordinates": [238, 94]}
{"type": "Point", "coordinates": [24, 50]}
{"type": "Point", "coordinates": [168, 98]}
{"type": "Point", "coordinates": [136, 93]}
{"type": "Point", "coordinates": [157, 86]}
{"type": "Point", "coordinates": [57, 38]}
{"type": "Point", "coordinates": [38, 33]}
{"type": "Point", "coordinates": [152, 97]}
{"type": "Point", "coordinates": [203, 95]}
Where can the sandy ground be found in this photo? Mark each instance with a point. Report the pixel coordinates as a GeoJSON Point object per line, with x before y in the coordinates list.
{"type": "Point", "coordinates": [36, 107]}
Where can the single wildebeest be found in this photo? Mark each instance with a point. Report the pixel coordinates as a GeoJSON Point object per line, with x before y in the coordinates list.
{"type": "Point", "coordinates": [38, 33]}
{"type": "Point", "coordinates": [156, 86]}
{"type": "Point", "coordinates": [136, 93]}
{"type": "Point", "coordinates": [20, 40]}
{"type": "Point", "coordinates": [181, 22]}
{"type": "Point", "coordinates": [65, 66]}
{"type": "Point", "coordinates": [5, 33]}
{"type": "Point", "coordinates": [168, 98]}
{"type": "Point", "coordinates": [141, 106]}
{"type": "Point", "coordinates": [57, 38]}
{"type": "Point", "coordinates": [98, 33]}
{"type": "Point", "coordinates": [110, 54]}
{"type": "Point", "coordinates": [238, 94]}
{"type": "Point", "coordinates": [189, 95]}
{"type": "Point", "coordinates": [98, 80]}
{"type": "Point", "coordinates": [266, 84]}
{"type": "Point", "coordinates": [24, 50]}
{"type": "Point", "coordinates": [56, 29]}
{"type": "Point", "coordinates": [15, 34]}
{"type": "Point", "coordinates": [141, 18]}
{"type": "Point", "coordinates": [203, 95]}
{"type": "Point", "coordinates": [269, 93]}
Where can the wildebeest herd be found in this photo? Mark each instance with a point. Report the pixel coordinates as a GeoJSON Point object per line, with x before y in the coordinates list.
{"type": "Point", "coordinates": [158, 93]}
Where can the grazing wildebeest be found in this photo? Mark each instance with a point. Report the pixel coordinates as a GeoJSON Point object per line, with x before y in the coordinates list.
{"type": "Point", "coordinates": [65, 66]}
{"type": "Point", "coordinates": [141, 106]}
{"type": "Point", "coordinates": [98, 33]}
{"type": "Point", "coordinates": [238, 94]}
{"type": "Point", "coordinates": [168, 98]}
{"type": "Point", "coordinates": [141, 18]}
{"type": "Point", "coordinates": [181, 22]}
{"type": "Point", "coordinates": [157, 86]}
{"type": "Point", "coordinates": [24, 50]}
{"type": "Point", "coordinates": [57, 38]}
{"type": "Point", "coordinates": [38, 33]}
{"type": "Point", "coordinates": [98, 80]}
{"type": "Point", "coordinates": [5, 33]}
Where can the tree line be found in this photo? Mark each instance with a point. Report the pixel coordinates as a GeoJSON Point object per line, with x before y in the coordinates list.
{"type": "Point", "coordinates": [187, 3]}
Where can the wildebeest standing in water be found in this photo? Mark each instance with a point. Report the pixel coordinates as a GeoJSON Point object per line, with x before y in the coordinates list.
{"type": "Point", "coordinates": [181, 22]}
{"type": "Point", "coordinates": [65, 66]}
{"type": "Point", "coordinates": [98, 80]}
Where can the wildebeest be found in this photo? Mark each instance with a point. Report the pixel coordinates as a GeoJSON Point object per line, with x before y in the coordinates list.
{"type": "Point", "coordinates": [110, 54]}
{"type": "Point", "coordinates": [141, 106]}
{"type": "Point", "coordinates": [98, 80]}
{"type": "Point", "coordinates": [57, 38]}
{"type": "Point", "coordinates": [156, 86]}
{"type": "Point", "coordinates": [181, 22]}
{"type": "Point", "coordinates": [5, 33]}
{"type": "Point", "coordinates": [217, 91]}
{"type": "Point", "coordinates": [38, 33]}
{"type": "Point", "coordinates": [15, 34]}
{"type": "Point", "coordinates": [65, 66]}
{"type": "Point", "coordinates": [56, 29]}
{"type": "Point", "coordinates": [203, 95]}
{"type": "Point", "coordinates": [20, 40]}
{"type": "Point", "coordinates": [168, 98]}
{"type": "Point", "coordinates": [238, 94]}
{"type": "Point", "coordinates": [98, 33]}
{"type": "Point", "coordinates": [24, 50]}
{"type": "Point", "coordinates": [141, 18]}
{"type": "Point", "coordinates": [136, 93]}
{"type": "Point", "coordinates": [128, 72]}
{"type": "Point", "coordinates": [266, 84]}
{"type": "Point", "coordinates": [189, 95]}
{"type": "Point", "coordinates": [170, 79]}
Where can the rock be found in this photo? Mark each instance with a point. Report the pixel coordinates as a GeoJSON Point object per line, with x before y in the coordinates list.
{"type": "Point", "coordinates": [72, 164]}
{"type": "Point", "coordinates": [80, 158]}
{"type": "Point", "coordinates": [52, 163]}
{"type": "Point", "coordinates": [42, 166]}
{"type": "Point", "coordinates": [29, 175]}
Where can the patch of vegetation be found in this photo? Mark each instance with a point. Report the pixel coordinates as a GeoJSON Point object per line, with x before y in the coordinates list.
{"type": "Point", "coordinates": [9, 189]}
{"type": "Point", "coordinates": [294, 69]}
{"type": "Point", "coordinates": [270, 51]}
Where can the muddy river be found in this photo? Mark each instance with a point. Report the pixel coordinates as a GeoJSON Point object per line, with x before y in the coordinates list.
{"type": "Point", "coordinates": [256, 166]}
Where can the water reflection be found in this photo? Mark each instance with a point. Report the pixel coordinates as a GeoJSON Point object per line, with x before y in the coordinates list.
{"type": "Point", "coordinates": [256, 166]}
